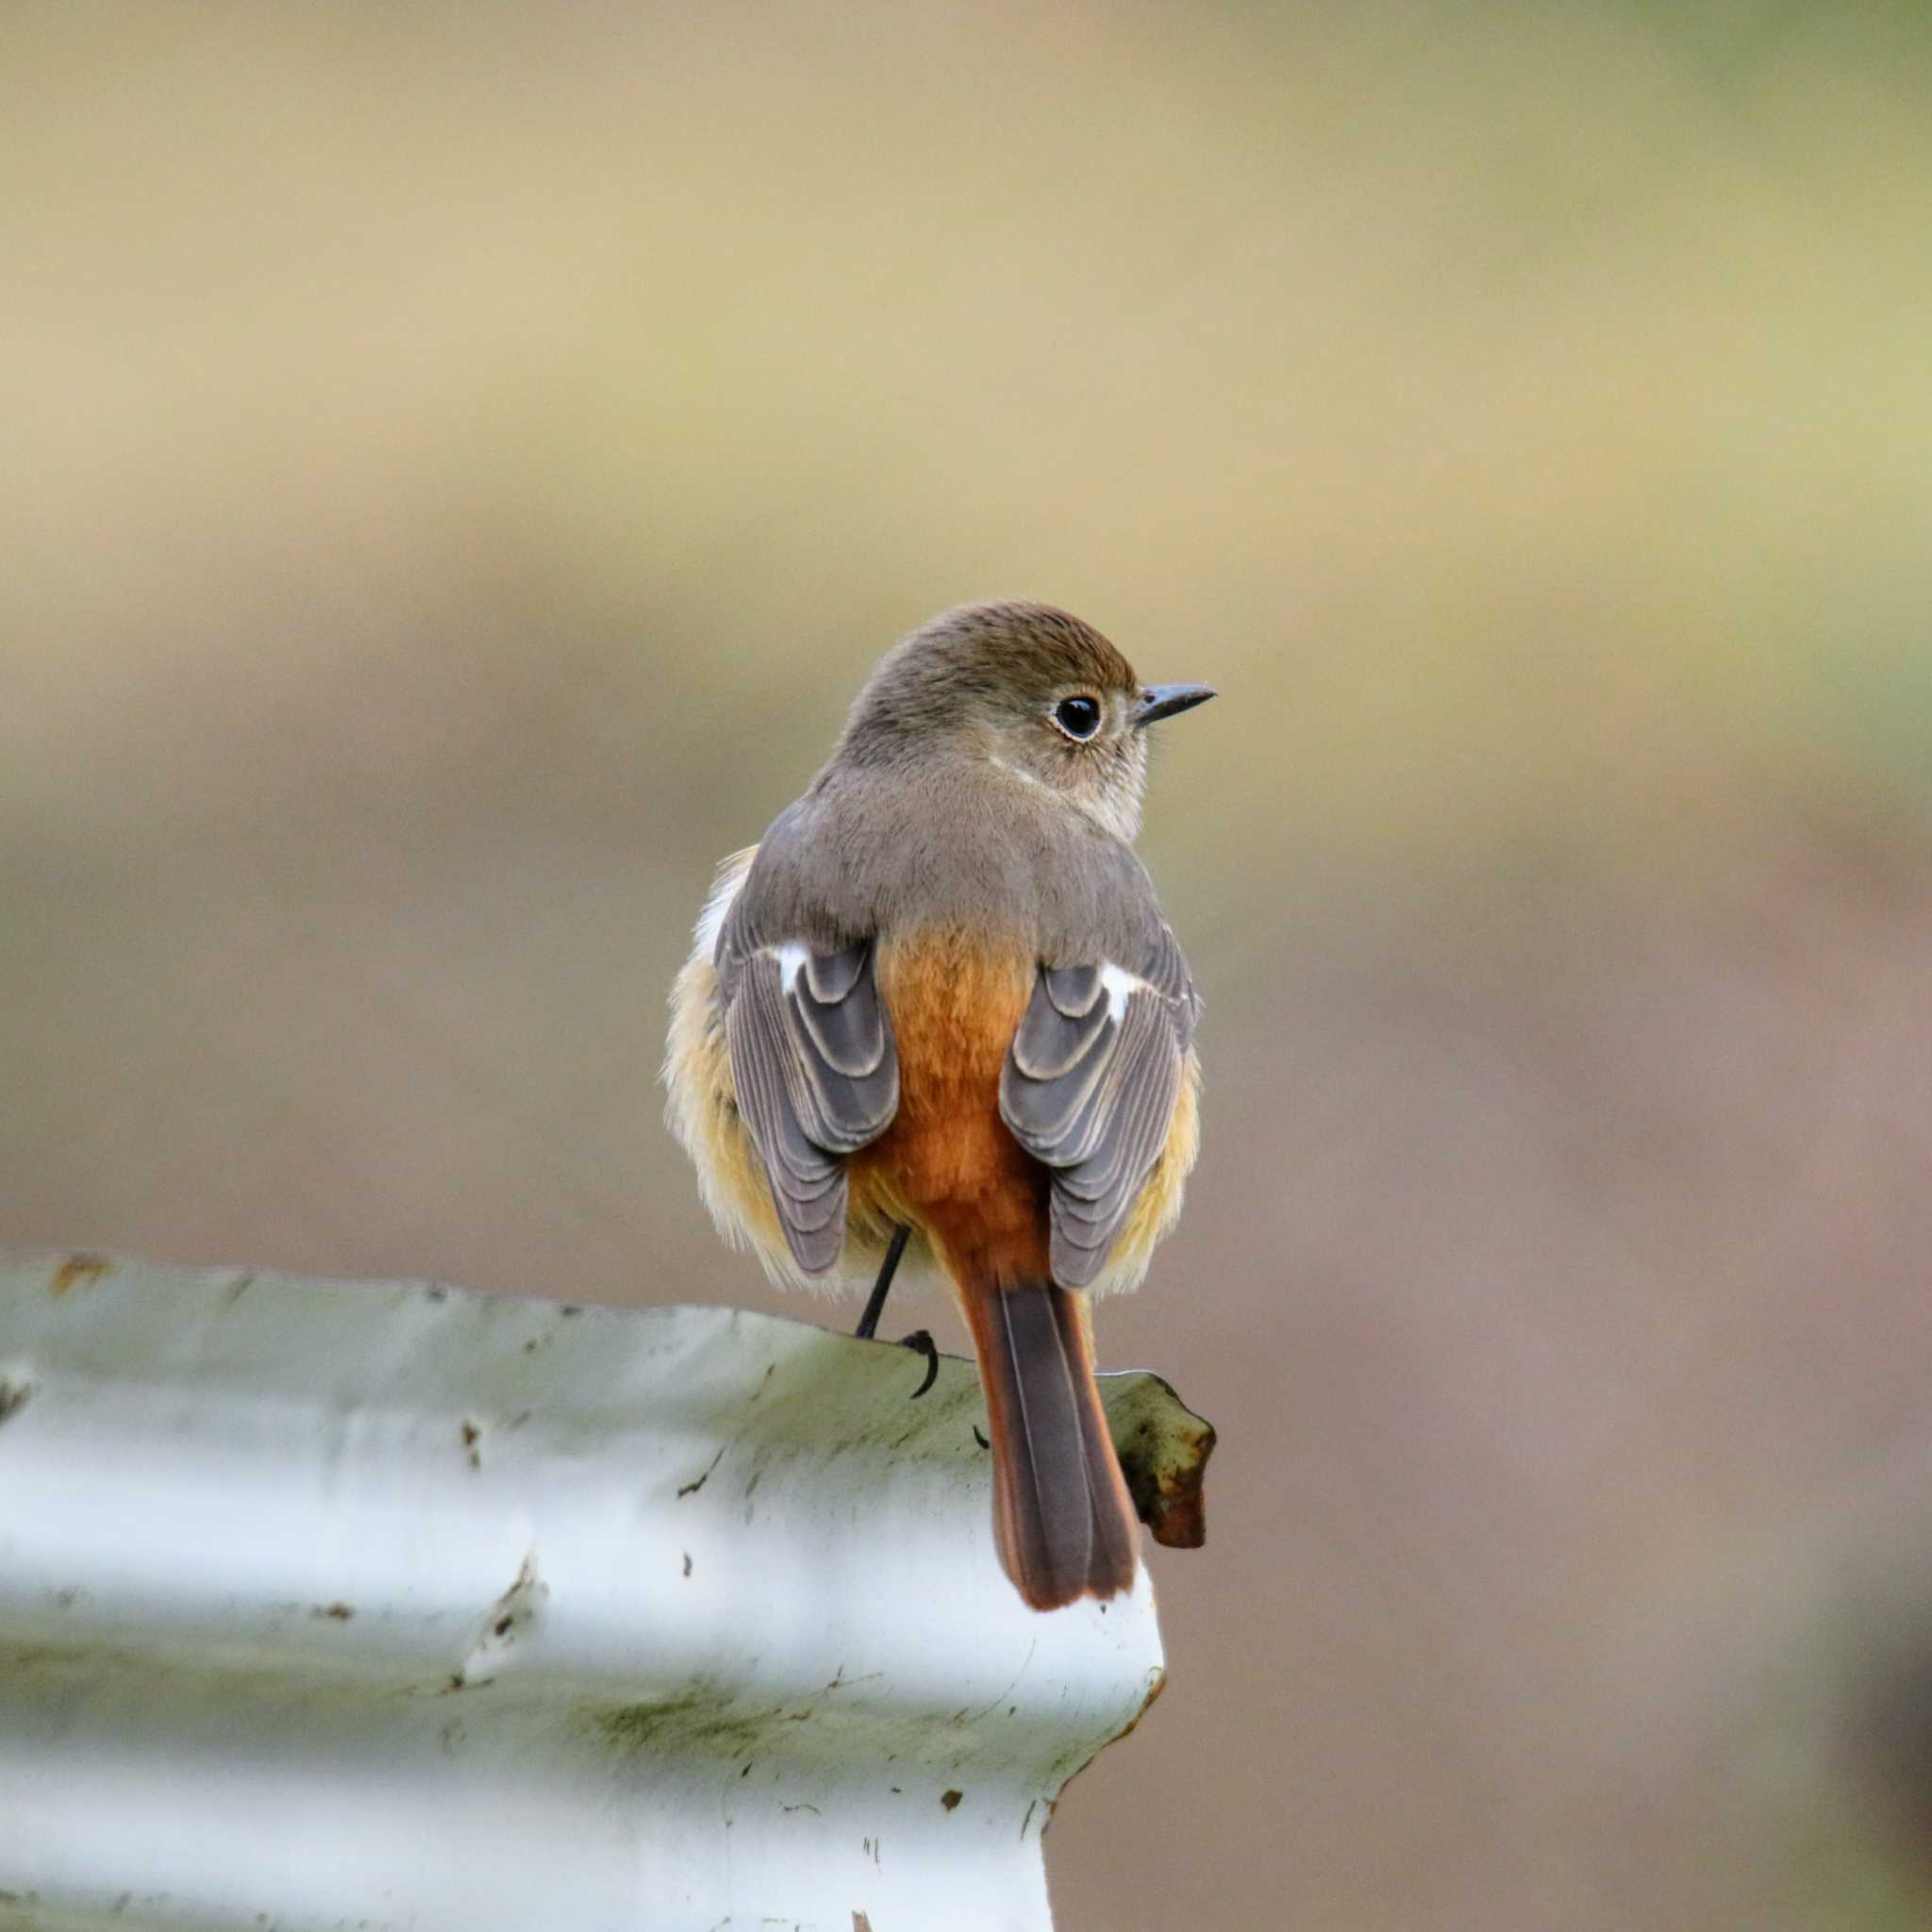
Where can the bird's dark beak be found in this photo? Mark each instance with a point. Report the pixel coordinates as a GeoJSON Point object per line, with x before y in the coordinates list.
{"type": "Point", "coordinates": [1170, 700]}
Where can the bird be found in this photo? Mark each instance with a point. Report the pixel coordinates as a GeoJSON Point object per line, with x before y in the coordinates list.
{"type": "Point", "coordinates": [936, 1016]}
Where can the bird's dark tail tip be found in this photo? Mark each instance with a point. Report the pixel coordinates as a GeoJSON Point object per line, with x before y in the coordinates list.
{"type": "Point", "coordinates": [1062, 1516]}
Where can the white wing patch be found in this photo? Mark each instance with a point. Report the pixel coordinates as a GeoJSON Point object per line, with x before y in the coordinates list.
{"type": "Point", "coordinates": [1119, 987]}
{"type": "Point", "coordinates": [790, 957]}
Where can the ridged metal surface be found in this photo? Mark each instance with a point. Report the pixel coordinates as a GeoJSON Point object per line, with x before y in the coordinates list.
{"type": "Point", "coordinates": [379, 1607]}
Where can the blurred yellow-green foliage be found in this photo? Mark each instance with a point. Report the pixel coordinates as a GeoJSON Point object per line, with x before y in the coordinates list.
{"type": "Point", "coordinates": [460, 461]}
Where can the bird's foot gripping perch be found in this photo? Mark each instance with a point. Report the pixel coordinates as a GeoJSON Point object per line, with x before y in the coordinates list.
{"type": "Point", "coordinates": [921, 1342]}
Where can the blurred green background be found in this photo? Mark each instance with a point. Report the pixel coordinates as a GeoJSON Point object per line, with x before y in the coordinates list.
{"type": "Point", "coordinates": [458, 463]}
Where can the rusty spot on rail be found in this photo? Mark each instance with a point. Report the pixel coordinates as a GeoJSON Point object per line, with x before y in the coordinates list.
{"type": "Point", "coordinates": [1163, 1447]}
{"type": "Point", "coordinates": [79, 1270]}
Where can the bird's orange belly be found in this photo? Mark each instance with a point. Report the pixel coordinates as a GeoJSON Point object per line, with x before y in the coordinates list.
{"type": "Point", "coordinates": [948, 1164]}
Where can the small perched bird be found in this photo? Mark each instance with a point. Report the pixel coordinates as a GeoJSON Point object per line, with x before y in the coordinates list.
{"type": "Point", "coordinates": [936, 1013]}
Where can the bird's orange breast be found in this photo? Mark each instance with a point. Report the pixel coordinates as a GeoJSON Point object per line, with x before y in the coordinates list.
{"type": "Point", "coordinates": [948, 1164]}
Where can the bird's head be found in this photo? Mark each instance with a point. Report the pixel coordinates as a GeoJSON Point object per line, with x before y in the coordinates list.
{"type": "Point", "coordinates": [1027, 689]}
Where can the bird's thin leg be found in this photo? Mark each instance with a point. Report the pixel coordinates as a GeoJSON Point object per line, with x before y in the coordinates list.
{"type": "Point", "coordinates": [876, 1307]}
{"type": "Point", "coordinates": [919, 1341]}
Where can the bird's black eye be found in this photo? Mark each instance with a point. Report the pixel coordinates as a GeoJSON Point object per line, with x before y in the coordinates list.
{"type": "Point", "coordinates": [1078, 717]}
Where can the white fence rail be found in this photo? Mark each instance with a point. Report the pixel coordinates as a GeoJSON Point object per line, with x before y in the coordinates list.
{"type": "Point", "coordinates": [385, 1607]}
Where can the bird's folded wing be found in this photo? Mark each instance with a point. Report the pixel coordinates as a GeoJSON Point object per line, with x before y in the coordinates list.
{"type": "Point", "coordinates": [815, 1071]}
{"type": "Point", "coordinates": [1090, 1085]}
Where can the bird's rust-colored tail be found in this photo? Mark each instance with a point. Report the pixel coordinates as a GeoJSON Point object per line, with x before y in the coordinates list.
{"type": "Point", "coordinates": [1062, 1518]}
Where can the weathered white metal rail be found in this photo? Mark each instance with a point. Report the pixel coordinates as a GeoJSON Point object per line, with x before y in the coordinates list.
{"type": "Point", "coordinates": [385, 1606]}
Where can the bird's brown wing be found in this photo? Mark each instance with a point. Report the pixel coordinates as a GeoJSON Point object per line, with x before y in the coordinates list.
{"type": "Point", "coordinates": [814, 1063]}
{"type": "Point", "coordinates": [1090, 1085]}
